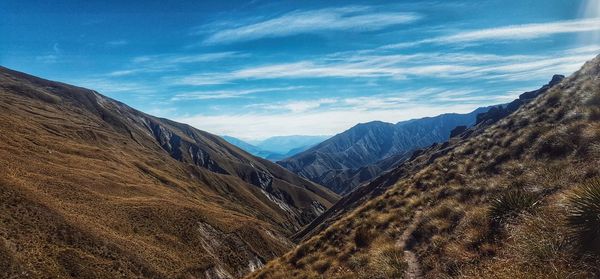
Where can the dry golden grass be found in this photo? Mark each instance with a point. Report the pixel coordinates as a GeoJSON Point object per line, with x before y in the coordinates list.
{"type": "Point", "coordinates": [86, 191]}
{"type": "Point", "coordinates": [545, 149]}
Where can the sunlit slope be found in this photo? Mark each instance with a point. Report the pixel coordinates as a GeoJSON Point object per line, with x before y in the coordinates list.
{"type": "Point", "coordinates": [498, 201]}
{"type": "Point", "coordinates": [92, 188]}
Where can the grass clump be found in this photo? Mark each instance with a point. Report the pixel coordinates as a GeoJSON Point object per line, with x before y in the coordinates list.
{"type": "Point", "coordinates": [583, 217]}
{"type": "Point", "coordinates": [388, 262]}
{"type": "Point", "coordinates": [511, 204]}
{"type": "Point", "coordinates": [363, 237]}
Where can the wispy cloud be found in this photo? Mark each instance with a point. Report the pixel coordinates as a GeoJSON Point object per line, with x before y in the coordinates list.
{"type": "Point", "coordinates": [295, 106]}
{"type": "Point", "coordinates": [398, 67]}
{"type": "Point", "coordinates": [171, 62]}
{"type": "Point", "coordinates": [323, 122]}
{"type": "Point", "coordinates": [47, 59]}
{"type": "Point", "coordinates": [227, 94]}
{"type": "Point", "coordinates": [111, 86]}
{"type": "Point", "coordinates": [510, 33]}
{"type": "Point", "coordinates": [354, 18]}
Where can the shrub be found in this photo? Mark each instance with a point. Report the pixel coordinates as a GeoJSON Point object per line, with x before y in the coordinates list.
{"type": "Point", "coordinates": [322, 265]}
{"type": "Point", "coordinates": [300, 252]}
{"type": "Point", "coordinates": [555, 145]}
{"type": "Point", "coordinates": [363, 237]}
{"type": "Point", "coordinates": [583, 217]}
{"type": "Point", "coordinates": [594, 100]}
{"type": "Point", "coordinates": [511, 204]}
{"type": "Point", "coordinates": [553, 100]}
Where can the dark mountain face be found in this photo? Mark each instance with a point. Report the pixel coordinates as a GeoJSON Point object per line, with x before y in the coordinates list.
{"type": "Point", "coordinates": [109, 191]}
{"type": "Point", "coordinates": [361, 153]}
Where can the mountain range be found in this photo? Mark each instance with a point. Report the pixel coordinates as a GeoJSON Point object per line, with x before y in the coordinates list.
{"type": "Point", "coordinates": [278, 147]}
{"type": "Point", "coordinates": [366, 150]}
{"type": "Point", "coordinates": [93, 188]}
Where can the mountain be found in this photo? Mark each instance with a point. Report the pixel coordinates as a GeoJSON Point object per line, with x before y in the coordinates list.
{"type": "Point", "coordinates": [243, 145]}
{"type": "Point", "coordinates": [276, 148]}
{"type": "Point", "coordinates": [514, 198]}
{"type": "Point", "coordinates": [289, 145]}
{"type": "Point", "coordinates": [359, 154]}
{"type": "Point", "coordinates": [91, 188]}
{"type": "Point", "coordinates": [252, 149]}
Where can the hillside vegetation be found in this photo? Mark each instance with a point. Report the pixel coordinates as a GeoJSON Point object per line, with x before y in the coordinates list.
{"type": "Point", "coordinates": [91, 188]}
{"type": "Point", "coordinates": [516, 199]}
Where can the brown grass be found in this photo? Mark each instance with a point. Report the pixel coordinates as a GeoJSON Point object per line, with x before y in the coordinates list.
{"type": "Point", "coordinates": [544, 150]}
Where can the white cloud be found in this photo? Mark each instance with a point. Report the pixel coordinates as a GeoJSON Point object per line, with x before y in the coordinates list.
{"type": "Point", "coordinates": [511, 33]}
{"type": "Point", "coordinates": [47, 59]}
{"type": "Point", "coordinates": [334, 115]}
{"type": "Point", "coordinates": [227, 94]}
{"type": "Point", "coordinates": [298, 22]}
{"type": "Point", "coordinates": [433, 65]}
{"type": "Point", "coordinates": [257, 126]}
{"type": "Point", "coordinates": [109, 86]}
{"type": "Point", "coordinates": [171, 62]}
{"type": "Point", "coordinates": [183, 59]}
{"type": "Point", "coordinates": [295, 106]}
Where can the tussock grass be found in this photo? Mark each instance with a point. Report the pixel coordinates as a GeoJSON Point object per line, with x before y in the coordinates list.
{"type": "Point", "coordinates": [584, 217]}
{"type": "Point", "coordinates": [510, 204]}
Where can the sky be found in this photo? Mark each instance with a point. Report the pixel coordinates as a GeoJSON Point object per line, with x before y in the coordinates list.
{"type": "Point", "coordinates": [255, 69]}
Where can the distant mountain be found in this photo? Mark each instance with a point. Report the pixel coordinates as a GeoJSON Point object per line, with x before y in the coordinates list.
{"type": "Point", "coordinates": [277, 148]}
{"type": "Point", "coordinates": [243, 145]}
{"type": "Point", "coordinates": [289, 145]}
{"type": "Point", "coordinates": [92, 188]}
{"type": "Point", "coordinates": [366, 150]}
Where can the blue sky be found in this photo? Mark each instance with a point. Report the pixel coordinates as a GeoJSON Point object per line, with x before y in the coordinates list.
{"type": "Point", "coordinates": [254, 69]}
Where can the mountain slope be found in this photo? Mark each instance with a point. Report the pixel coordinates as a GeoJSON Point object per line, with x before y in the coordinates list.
{"type": "Point", "coordinates": [344, 161]}
{"type": "Point", "coordinates": [93, 188]}
{"type": "Point", "coordinates": [491, 203]}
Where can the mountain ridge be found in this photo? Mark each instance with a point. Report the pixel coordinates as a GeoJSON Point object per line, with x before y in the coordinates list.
{"type": "Point", "coordinates": [366, 150]}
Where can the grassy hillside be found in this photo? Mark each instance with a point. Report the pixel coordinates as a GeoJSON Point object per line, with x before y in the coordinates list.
{"type": "Point", "coordinates": [517, 199]}
{"type": "Point", "coordinates": [91, 188]}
